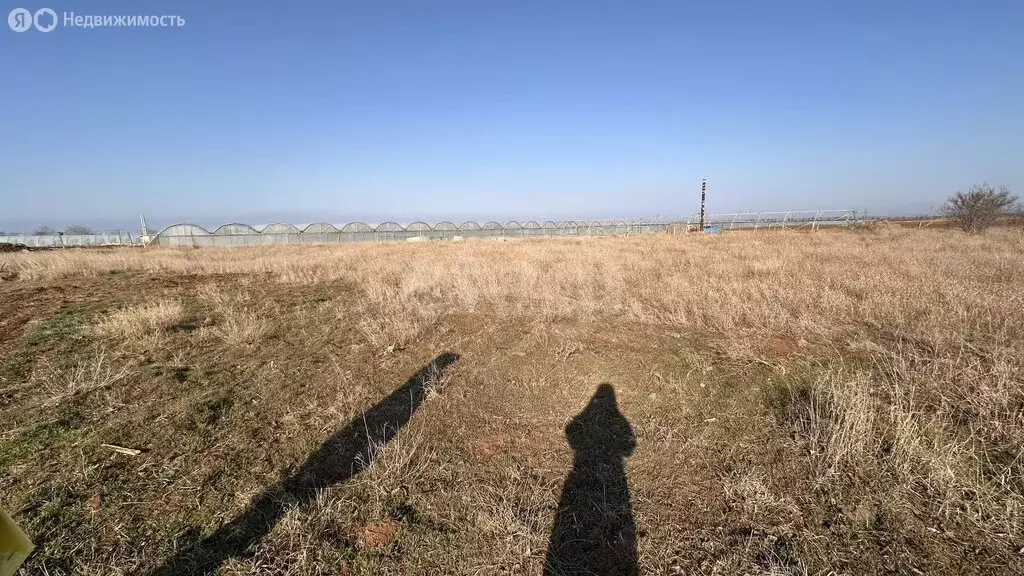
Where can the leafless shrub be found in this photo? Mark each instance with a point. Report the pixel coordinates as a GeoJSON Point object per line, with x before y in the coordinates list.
{"type": "Point", "coordinates": [78, 229]}
{"type": "Point", "coordinates": [1017, 218]}
{"type": "Point", "coordinates": [980, 207]}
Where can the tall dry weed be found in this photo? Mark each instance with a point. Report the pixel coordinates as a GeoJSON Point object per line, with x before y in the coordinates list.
{"type": "Point", "coordinates": [946, 427]}
{"type": "Point", "coordinates": [240, 319]}
{"type": "Point", "coordinates": [141, 325]}
{"type": "Point", "coordinates": [96, 372]}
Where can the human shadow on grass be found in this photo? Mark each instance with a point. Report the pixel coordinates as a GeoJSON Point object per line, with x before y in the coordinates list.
{"type": "Point", "coordinates": [339, 458]}
{"type": "Point", "coordinates": [594, 532]}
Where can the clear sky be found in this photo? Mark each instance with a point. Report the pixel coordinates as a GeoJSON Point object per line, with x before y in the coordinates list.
{"type": "Point", "coordinates": [452, 109]}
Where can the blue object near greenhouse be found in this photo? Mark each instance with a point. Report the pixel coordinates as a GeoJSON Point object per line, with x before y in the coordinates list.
{"type": "Point", "coordinates": [712, 229]}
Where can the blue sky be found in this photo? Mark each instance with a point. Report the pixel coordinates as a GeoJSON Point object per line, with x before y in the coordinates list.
{"type": "Point", "coordinates": [450, 109]}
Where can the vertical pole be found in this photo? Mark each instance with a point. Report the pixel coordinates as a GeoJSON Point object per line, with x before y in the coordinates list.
{"type": "Point", "coordinates": [703, 198]}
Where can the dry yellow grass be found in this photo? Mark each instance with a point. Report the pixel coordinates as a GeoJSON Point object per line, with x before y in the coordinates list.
{"type": "Point", "coordinates": [930, 281]}
{"type": "Point", "coordinates": [60, 384]}
{"type": "Point", "coordinates": [240, 320]}
{"type": "Point", "coordinates": [133, 323]}
{"type": "Point", "coordinates": [895, 358]}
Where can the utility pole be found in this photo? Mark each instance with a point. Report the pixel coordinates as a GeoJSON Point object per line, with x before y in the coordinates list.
{"type": "Point", "coordinates": [703, 197]}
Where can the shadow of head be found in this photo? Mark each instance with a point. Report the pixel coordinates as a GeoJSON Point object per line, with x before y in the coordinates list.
{"type": "Point", "coordinates": [600, 429]}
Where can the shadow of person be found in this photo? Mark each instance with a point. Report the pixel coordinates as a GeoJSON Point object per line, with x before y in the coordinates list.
{"type": "Point", "coordinates": [339, 458]}
{"type": "Point", "coordinates": [594, 531]}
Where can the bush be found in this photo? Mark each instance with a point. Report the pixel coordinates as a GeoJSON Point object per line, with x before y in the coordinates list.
{"type": "Point", "coordinates": [1017, 219]}
{"type": "Point", "coordinates": [78, 229]}
{"type": "Point", "coordinates": [979, 207]}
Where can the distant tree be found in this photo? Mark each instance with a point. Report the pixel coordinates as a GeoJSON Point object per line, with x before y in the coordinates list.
{"type": "Point", "coordinates": [979, 207]}
{"type": "Point", "coordinates": [44, 231]}
{"type": "Point", "coordinates": [78, 229]}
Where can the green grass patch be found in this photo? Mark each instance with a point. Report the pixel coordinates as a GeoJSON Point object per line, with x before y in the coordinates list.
{"type": "Point", "coordinates": [39, 437]}
{"type": "Point", "coordinates": [63, 331]}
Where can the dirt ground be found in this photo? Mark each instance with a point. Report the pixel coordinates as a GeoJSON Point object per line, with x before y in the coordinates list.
{"type": "Point", "coordinates": [289, 422]}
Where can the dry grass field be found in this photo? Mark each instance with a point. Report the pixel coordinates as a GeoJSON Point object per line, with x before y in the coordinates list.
{"type": "Point", "coordinates": [753, 403]}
